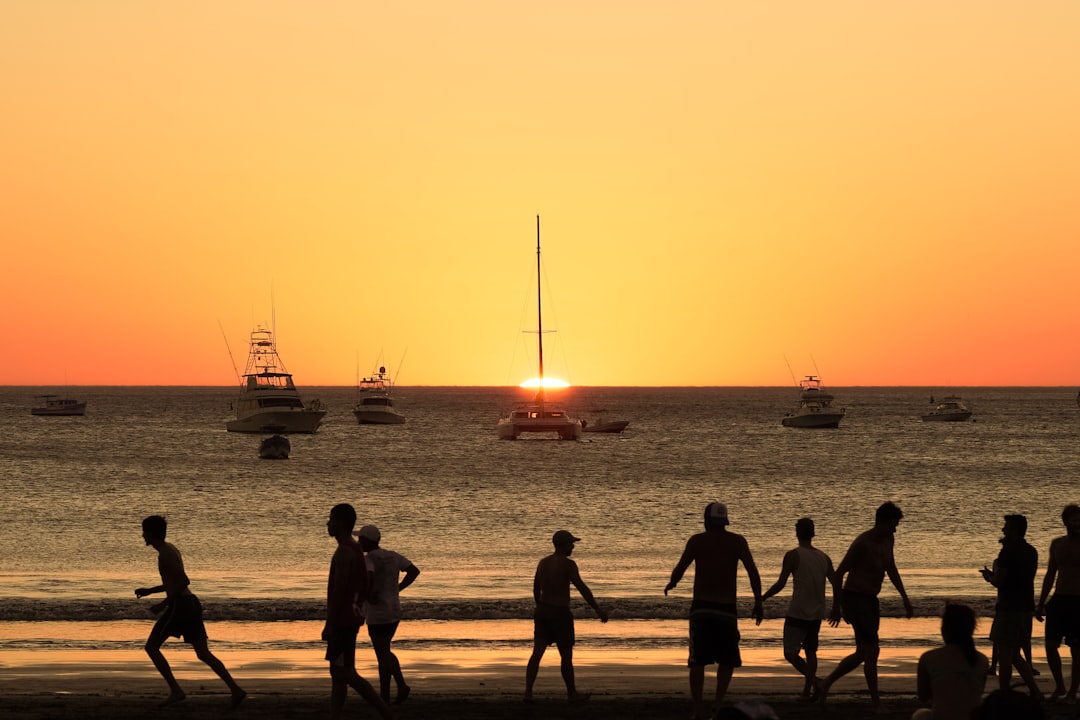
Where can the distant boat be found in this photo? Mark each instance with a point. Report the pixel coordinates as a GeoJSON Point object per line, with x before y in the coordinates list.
{"type": "Point", "coordinates": [814, 407]}
{"type": "Point", "coordinates": [950, 409]}
{"type": "Point", "coordinates": [57, 405]}
{"type": "Point", "coordinates": [275, 447]}
{"type": "Point", "coordinates": [373, 403]}
{"type": "Point", "coordinates": [269, 402]}
{"type": "Point", "coordinates": [599, 426]}
{"type": "Point", "coordinates": [539, 415]}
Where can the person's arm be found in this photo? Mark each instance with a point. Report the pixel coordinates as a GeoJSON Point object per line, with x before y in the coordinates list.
{"type": "Point", "coordinates": [837, 611]}
{"type": "Point", "coordinates": [337, 593]}
{"type": "Point", "coordinates": [758, 613]}
{"type": "Point", "coordinates": [680, 568]}
{"type": "Point", "coordinates": [536, 582]}
{"type": "Point", "coordinates": [898, 583]}
{"type": "Point", "coordinates": [410, 575]}
{"type": "Point", "coordinates": [1048, 583]}
{"type": "Point", "coordinates": [790, 565]}
{"type": "Point", "coordinates": [575, 578]}
{"type": "Point", "coordinates": [143, 592]}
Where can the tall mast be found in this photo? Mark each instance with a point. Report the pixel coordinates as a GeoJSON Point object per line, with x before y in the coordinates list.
{"type": "Point", "coordinates": [539, 317]}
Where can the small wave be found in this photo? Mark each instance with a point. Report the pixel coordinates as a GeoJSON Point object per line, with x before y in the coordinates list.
{"type": "Point", "coordinates": [264, 610]}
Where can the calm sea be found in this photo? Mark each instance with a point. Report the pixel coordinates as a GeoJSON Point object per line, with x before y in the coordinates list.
{"type": "Point", "coordinates": [475, 513]}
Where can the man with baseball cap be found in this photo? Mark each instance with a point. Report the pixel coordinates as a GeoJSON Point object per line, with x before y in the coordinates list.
{"type": "Point", "coordinates": [553, 621]}
{"type": "Point", "coordinates": [714, 627]}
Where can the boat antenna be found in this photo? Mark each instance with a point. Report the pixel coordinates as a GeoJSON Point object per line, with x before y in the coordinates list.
{"type": "Point", "coordinates": [400, 363]}
{"type": "Point", "coordinates": [231, 359]}
{"type": "Point", "coordinates": [816, 369]}
{"type": "Point", "coordinates": [539, 316]}
{"type": "Point", "coordinates": [791, 372]}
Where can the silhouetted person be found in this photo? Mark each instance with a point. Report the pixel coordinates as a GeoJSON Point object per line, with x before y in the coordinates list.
{"type": "Point", "coordinates": [1014, 577]}
{"type": "Point", "coordinates": [383, 607]}
{"type": "Point", "coordinates": [811, 568]}
{"type": "Point", "coordinates": [867, 562]}
{"type": "Point", "coordinates": [181, 614]}
{"type": "Point", "coordinates": [714, 625]}
{"type": "Point", "coordinates": [346, 590]}
{"type": "Point", "coordinates": [1063, 611]}
{"type": "Point", "coordinates": [951, 679]}
{"type": "Point", "coordinates": [553, 621]}
{"type": "Point", "coordinates": [1008, 705]}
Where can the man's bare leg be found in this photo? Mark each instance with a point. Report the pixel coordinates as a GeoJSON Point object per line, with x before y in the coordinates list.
{"type": "Point", "coordinates": [533, 669]}
{"type": "Point", "coordinates": [153, 649]}
{"type": "Point", "coordinates": [566, 666]}
{"type": "Point", "coordinates": [202, 651]}
{"type": "Point", "coordinates": [870, 658]}
{"type": "Point", "coordinates": [846, 665]}
{"type": "Point", "coordinates": [697, 690]}
{"type": "Point", "coordinates": [723, 682]}
{"type": "Point", "coordinates": [1053, 661]}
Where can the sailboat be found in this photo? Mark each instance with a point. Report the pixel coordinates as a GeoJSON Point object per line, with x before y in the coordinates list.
{"type": "Point", "coordinates": [539, 415]}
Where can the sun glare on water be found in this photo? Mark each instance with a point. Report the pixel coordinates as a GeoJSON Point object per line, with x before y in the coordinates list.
{"type": "Point", "coordinates": [548, 383]}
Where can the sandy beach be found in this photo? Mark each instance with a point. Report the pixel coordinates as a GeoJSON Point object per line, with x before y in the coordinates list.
{"type": "Point", "coordinates": [460, 685]}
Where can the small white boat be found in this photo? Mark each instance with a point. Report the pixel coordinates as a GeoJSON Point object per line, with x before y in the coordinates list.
{"type": "Point", "coordinates": [275, 447]}
{"type": "Point", "coordinates": [814, 408]}
{"type": "Point", "coordinates": [539, 415]}
{"type": "Point", "coordinates": [373, 403]}
{"type": "Point", "coordinates": [269, 402]}
{"type": "Point", "coordinates": [57, 405]}
{"type": "Point", "coordinates": [950, 409]}
{"type": "Point", "coordinates": [604, 426]}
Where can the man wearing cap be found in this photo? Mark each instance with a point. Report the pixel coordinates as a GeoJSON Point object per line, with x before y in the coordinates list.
{"type": "Point", "coordinates": [553, 621]}
{"type": "Point", "coordinates": [382, 609]}
{"type": "Point", "coordinates": [810, 568]}
{"type": "Point", "coordinates": [714, 628]}
{"type": "Point", "coordinates": [865, 565]}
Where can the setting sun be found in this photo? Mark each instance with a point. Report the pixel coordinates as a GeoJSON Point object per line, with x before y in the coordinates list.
{"type": "Point", "coordinates": [547, 383]}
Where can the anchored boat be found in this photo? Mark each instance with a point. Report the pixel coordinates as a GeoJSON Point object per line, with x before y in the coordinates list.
{"type": "Point", "coordinates": [269, 402]}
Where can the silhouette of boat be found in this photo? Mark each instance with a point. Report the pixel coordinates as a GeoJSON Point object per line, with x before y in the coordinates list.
{"type": "Point", "coordinates": [373, 403]}
{"type": "Point", "coordinates": [599, 426]}
{"type": "Point", "coordinates": [57, 405]}
{"type": "Point", "coordinates": [950, 409]}
{"type": "Point", "coordinates": [275, 447]}
{"type": "Point", "coordinates": [814, 408]}
{"type": "Point", "coordinates": [269, 402]}
{"type": "Point", "coordinates": [539, 415]}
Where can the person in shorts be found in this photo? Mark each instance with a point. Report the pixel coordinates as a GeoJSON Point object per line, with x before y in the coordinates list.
{"type": "Point", "coordinates": [811, 569]}
{"type": "Point", "coordinates": [714, 626]}
{"type": "Point", "coordinates": [553, 622]}
{"type": "Point", "coordinates": [181, 614]}
{"type": "Point", "coordinates": [1063, 611]}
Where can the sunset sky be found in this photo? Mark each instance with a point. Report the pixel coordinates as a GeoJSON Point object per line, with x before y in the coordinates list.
{"type": "Point", "coordinates": [887, 193]}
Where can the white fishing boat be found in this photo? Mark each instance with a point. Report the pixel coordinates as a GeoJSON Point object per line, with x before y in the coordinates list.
{"type": "Point", "coordinates": [57, 405]}
{"type": "Point", "coordinates": [269, 402]}
{"type": "Point", "coordinates": [950, 409]}
{"type": "Point", "coordinates": [539, 415]}
{"type": "Point", "coordinates": [373, 403]}
{"type": "Point", "coordinates": [814, 407]}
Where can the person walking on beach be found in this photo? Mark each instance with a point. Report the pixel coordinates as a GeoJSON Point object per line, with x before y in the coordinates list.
{"type": "Point", "coordinates": [346, 590]}
{"type": "Point", "coordinates": [810, 568]}
{"type": "Point", "coordinates": [714, 626]}
{"type": "Point", "coordinates": [951, 679]}
{"type": "Point", "coordinates": [1063, 611]}
{"type": "Point", "coordinates": [553, 621]}
{"type": "Point", "coordinates": [867, 562]}
{"type": "Point", "coordinates": [1014, 577]}
{"type": "Point", "coordinates": [382, 609]}
{"type": "Point", "coordinates": [181, 614]}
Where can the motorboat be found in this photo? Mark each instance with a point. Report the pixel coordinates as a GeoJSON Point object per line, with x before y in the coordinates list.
{"type": "Point", "coordinates": [814, 408]}
{"type": "Point", "coordinates": [57, 405]}
{"type": "Point", "coordinates": [950, 409]}
{"type": "Point", "coordinates": [373, 403]}
{"type": "Point", "coordinates": [269, 401]}
{"type": "Point", "coordinates": [275, 447]}
{"type": "Point", "coordinates": [538, 415]}
{"type": "Point", "coordinates": [602, 426]}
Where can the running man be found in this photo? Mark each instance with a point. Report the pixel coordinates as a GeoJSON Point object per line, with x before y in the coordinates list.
{"type": "Point", "coordinates": [553, 622]}
{"type": "Point", "coordinates": [867, 562]}
{"type": "Point", "coordinates": [810, 568]}
{"type": "Point", "coordinates": [346, 590]}
{"type": "Point", "coordinates": [1063, 611]}
{"type": "Point", "coordinates": [714, 625]}
{"type": "Point", "coordinates": [181, 614]}
{"type": "Point", "coordinates": [383, 607]}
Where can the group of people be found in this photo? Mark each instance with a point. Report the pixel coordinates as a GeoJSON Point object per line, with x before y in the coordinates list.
{"type": "Point", "coordinates": [365, 581]}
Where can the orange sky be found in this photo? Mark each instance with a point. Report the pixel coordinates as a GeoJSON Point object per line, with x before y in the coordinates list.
{"type": "Point", "coordinates": [887, 191]}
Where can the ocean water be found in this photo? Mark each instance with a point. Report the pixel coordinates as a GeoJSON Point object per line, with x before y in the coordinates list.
{"type": "Point", "coordinates": [475, 513]}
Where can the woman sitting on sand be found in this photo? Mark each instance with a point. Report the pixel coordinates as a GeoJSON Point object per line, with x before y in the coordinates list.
{"type": "Point", "coordinates": [951, 678]}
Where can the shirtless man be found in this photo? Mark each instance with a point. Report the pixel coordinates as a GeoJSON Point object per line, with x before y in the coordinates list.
{"type": "Point", "coordinates": [802, 624]}
{"type": "Point", "coordinates": [1063, 611]}
{"type": "Point", "coordinates": [714, 626]}
{"type": "Point", "coordinates": [181, 614]}
{"type": "Point", "coordinates": [867, 562]}
{"type": "Point", "coordinates": [553, 622]}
